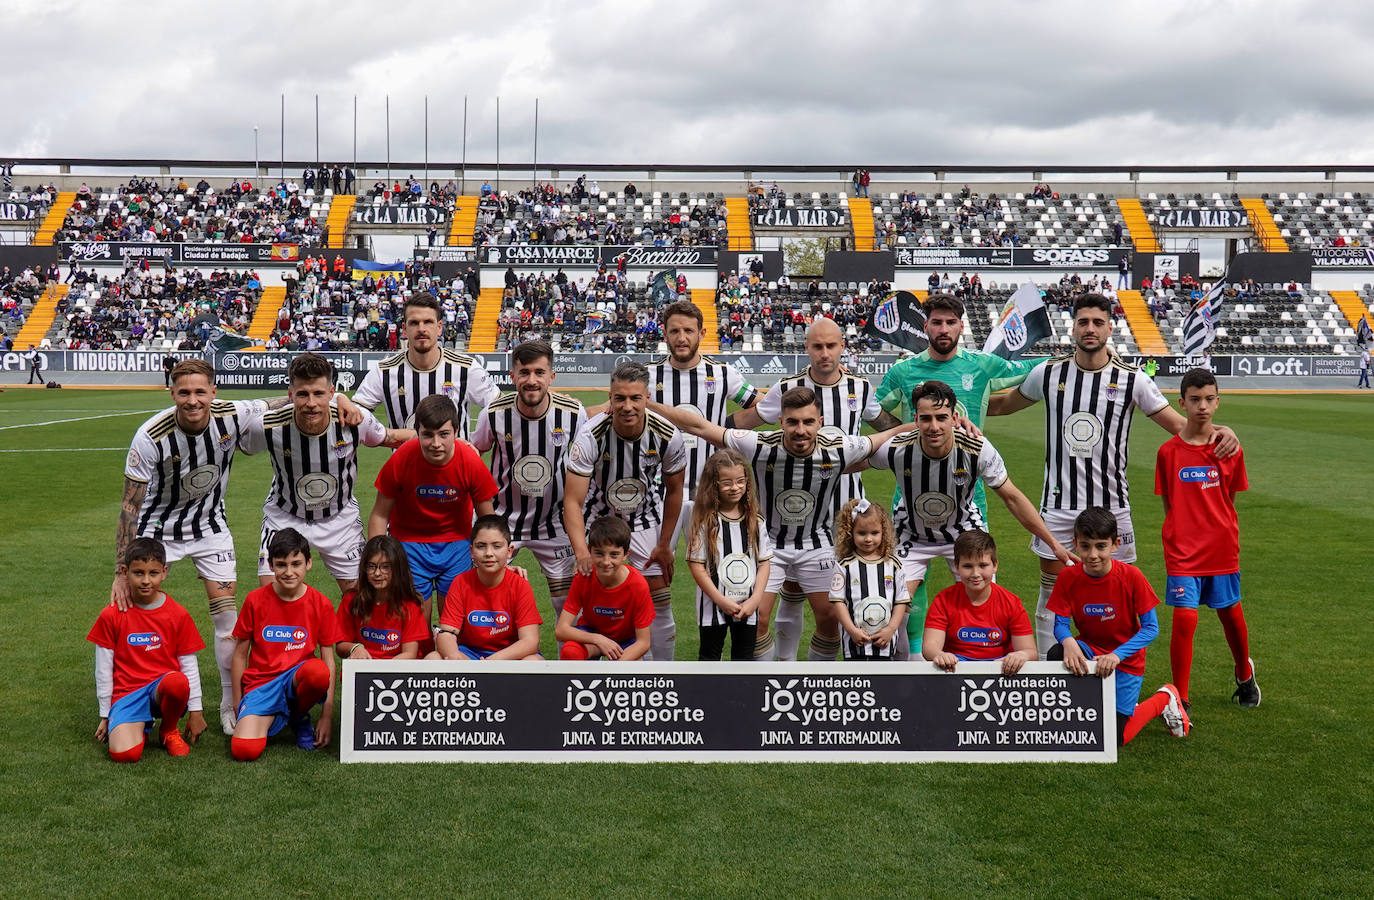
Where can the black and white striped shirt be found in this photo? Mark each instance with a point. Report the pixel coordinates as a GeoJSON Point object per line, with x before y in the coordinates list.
{"type": "Point", "coordinates": [627, 475]}
{"type": "Point", "coordinates": [936, 502]}
{"type": "Point", "coordinates": [799, 493]}
{"type": "Point", "coordinates": [399, 386]}
{"type": "Point", "coordinates": [527, 461]}
{"type": "Point", "coordinates": [187, 474]}
{"type": "Point", "coordinates": [1088, 429]}
{"type": "Point", "coordinates": [845, 406]}
{"type": "Point", "coordinates": [859, 583]}
{"type": "Point", "coordinates": [707, 389]}
{"type": "Point", "coordinates": [312, 474]}
{"type": "Point", "coordinates": [733, 567]}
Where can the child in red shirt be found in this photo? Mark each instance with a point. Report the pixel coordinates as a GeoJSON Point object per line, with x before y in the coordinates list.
{"type": "Point", "coordinates": [1202, 535]}
{"type": "Point", "coordinates": [489, 612]}
{"type": "Point", "coordinates": [276, 675]}
{"type": "Point", "coordinates": [614, 603]}
{"type": "Point", "coordinates": [977, 619]}
{"type": "Point", "coordinates": [382, 619]}
{"type": "Point", "coordinates": [145, 661]}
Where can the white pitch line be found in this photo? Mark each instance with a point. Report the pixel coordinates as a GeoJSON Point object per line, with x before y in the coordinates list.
{"type": "Point", "coordinates": [63, 450]}
{"type": "Point", "coordinates": [132, 412]}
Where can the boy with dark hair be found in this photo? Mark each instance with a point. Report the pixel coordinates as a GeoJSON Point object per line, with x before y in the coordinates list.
{"type": "Point", "coordinates": [1112, 605]}
{"type": "Point", "coordinates": [1202, 535]}
{"type": "Point", "coordinates": [145, 661]}
{"type": "Point", "coordinates": [277, 676]}
{"type": "Point", "coordinates": [614, 602]}
{"type": "Point", "coordinates": [977, 619]}
{"type": "Point", "coordinates": [489, 611]}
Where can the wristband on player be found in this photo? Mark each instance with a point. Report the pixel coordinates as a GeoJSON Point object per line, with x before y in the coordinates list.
{"type": "Point", "coordinates": [730, 421]}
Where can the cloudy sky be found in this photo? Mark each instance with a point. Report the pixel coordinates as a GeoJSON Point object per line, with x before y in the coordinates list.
{"type": "Point", "coordinates": [704, 81]}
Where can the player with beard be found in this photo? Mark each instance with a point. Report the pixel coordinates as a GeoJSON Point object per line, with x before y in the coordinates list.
{"type": "Point", "coordinates": [423, 369]}
{"type": "Point", "coordinates": [529, 432]}
{"type": "Point", "coordinates": [846, 402]}
{"type": "Point", "coordinates": [1089, 397]}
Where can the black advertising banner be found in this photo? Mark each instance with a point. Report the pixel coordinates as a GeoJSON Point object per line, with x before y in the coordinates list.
{"type": "Point", "coordinates": [117, 252]}
{"type": "Point", "coordinates": [1178, 365]}
{"type": "Point", "coordinates": [799, 217]}
{"type": "Point", "coordinates": [446, 254]}
{"type": "Point", "coordinates": [1203, 218]}
{"type": "Point", "coordinates": [388, 214]}
{"type": "Point", "coordinates": [543, 255]}
{"type": "Point", "coordinates": [1343, 258]}
{"type": "Point", "coordinates": [14, 210]}
{"type": "Point", "coordinates": [899, 321]}
{"type": "Point", "coordinates": [1009, 257]}
{"type": "Point", "coordinates": [442, 711]}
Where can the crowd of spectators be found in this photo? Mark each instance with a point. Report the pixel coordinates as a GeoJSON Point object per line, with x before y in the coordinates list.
{"type": "Point", "coordinates": [779, 312]}
{"type": "Point", "coordinates": [601, 312]}
{"type": "Point", "coordinates": [976, 219]}
{"type": "Point", "coordinates": [145, 210]}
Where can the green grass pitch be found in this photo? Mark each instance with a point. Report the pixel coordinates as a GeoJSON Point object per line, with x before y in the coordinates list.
{"type": "Point", "coordinates": [1267, 801]}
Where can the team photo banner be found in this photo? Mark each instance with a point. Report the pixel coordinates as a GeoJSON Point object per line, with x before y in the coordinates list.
{"type": "Point", "coordinates": [560, 712]}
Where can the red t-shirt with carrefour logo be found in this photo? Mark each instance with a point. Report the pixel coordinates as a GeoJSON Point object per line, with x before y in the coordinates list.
{"type": "Point", "coordinates": [433, 504]}
{"type": "Point", "coordinates": [1201, 529]}
{"type": "Point", "coordinates": [283, 632]}
{"type": "Point", "coordinates": [489, 618]}
{"type": "Point", "coordinates": [978, 632]}
{"type": "Point", "coordinates": [614, 612]}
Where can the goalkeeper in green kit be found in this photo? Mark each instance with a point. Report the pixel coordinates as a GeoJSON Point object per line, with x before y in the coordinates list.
{"type": "Point", "coordinates": [974, 375]}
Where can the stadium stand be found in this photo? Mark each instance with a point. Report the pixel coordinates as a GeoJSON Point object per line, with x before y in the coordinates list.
{"type": "Point", "coordinates": [1307, 222]}
{"type": "Point", "coordinates": [545, 215]}
{"type": "Point", "coordinates": [947, 219]}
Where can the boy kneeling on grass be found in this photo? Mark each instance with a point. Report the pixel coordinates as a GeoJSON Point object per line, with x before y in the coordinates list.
{"type": "Point", "coordinates": [277, 678]}
{"type": "Point", "coordinates": [977, 619]}
{"type": "Point", "coordinates": [1112, 605]}
{"type": "Point", "coordinates": [614, 602]}
{"type": "Point", "coordinates": [489, 611]}
{"type": "Point", "coordinates": [145, 661]}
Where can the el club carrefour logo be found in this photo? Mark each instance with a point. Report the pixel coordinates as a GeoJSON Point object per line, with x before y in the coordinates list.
{"type": "Point", "coordinates": [444, 493]}
{"type": "Point", "coordinates": [486, 618]}
{"type": "Point", "coordinates": [971, 635]}
{"type": "Point", "coordinates": [381, 635]}
{"type": "Point", "coordinates": [1203, 474]}
{"type": "Point", "coordinates": [146, 640]}
{"type": "Point", "coordinates": [284, 634]}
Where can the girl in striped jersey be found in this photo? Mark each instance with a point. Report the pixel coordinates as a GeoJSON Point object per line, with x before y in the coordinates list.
{"type": "Point", "coordinates": [868, 589]}
{"type": "Point", "coordinates": [728, 553]}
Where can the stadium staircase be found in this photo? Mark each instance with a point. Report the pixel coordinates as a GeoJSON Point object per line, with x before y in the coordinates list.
{"type": "Point", "coordinates": [861, 219]}
{"type": "Point", "coordinates": [486, 321]}
{"type": "Point", "coordinates": [1142, 235]}
{"type": "Point", "coordinates": [464, 222]}
{"type": "Point", "coordinates": [340, 214]}
{"type": "Point", "coordinates": [1348, 301]}
{"type": "Point", "coordinates": [40, 318]}
{"type": "Point", "coordinates": [265, 316]}
{"type": "Point", "coordinates": [737, 223]}
{"type": "Point", "coordinates": [705, 300]}
{"type": "Point", "coordinates": [1265, 228]}
{"type": "Point", "coordinates": [1143, 327]}
{"type": "Point", "coordinates": [57, 214]}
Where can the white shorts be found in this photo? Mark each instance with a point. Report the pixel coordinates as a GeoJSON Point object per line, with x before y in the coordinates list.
{"type": "Point", "coordinates": [213, 556]}
{"type": "Point", "coordinates": [916, 558]}
{"type": "Point", "coordinates": [1060, 523]}
{"type": "Point", "coordinates": [812, 569]}
{"type": "Point", "coordinates": [337, 540]}
{"type": "Point", "coordinates": [554, 556]}
{"type": "Point", "coordinates": [642, 541]}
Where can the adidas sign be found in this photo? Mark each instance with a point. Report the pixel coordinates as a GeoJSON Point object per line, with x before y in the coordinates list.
{"type": "Point", "coordinates": [742, 366]}
{"type": "Point", "coordinates": [774, 366]}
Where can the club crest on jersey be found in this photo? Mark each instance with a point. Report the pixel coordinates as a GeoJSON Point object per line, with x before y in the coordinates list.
{"type": "Point", "coordinates": [651, 452]}
{"type": "Point", "coordinates": [134, 460]}
{"type": "Point", "coordinates": [284, 634]}
{"type": "Point", "coordinates": [1111, 391]}
{"type": "Point", "coordinates": [341, 449]}
{"type": "Point", "coordinates": [827, 469]}
{"type": "Point", "coordinates": [487, 618]}
{"type": "Point", "coordinates": [710, 385]}
{"type": "Point", "coordinates": [145, 640]}
{"type": "Point", "coordinates": [968, 382]}
{"type": "Point", "coordinates": [853, 401]}
{"type": "Point", "coordinates": [970, 634]}
{"type": "Point", "coordinates": [226, 441]}
{"type": "Point", "coordinates": [381, 635]}
{"type": "Point", "coordinates": [558, 436]}
{"type": "Point", "coordinates": [961, 476]}
{"type": "Point", "coordinates": [444, 493]}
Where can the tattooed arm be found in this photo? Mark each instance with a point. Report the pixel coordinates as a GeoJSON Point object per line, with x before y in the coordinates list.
{"type": "Point", "coordinates": [134, 492]}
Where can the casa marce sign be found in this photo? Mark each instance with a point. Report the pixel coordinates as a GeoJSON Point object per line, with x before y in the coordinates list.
{"type": "Point", "coordinates": [572, 255]}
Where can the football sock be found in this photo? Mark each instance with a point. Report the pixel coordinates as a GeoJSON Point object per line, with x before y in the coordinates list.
{"type": "Point", "coordinates": [1238, 637]}
{"type": "Point", "coordinates": [223, 615]}
{"type": "Point", "coordinates": [763, 647]}
{"type": "Point", "coordinates": [558, 594]}
{"type": "Point", "coordinates": [133, 754]}
{"type": "Point", "coordinates": [573, 650]}
{"type": "Point", "coordinates": [916, 618]}
{"type": "Point", "coordinates": [662, 631]}
{"type": "Point", "coordinates": [823, 649]}
{"type": "Point", "coordinates": [175, 690]}
{"type": "Point", "coordinates": [246, 749]}
{"type": "Point", "coordinates": [788, 625]}
{"type": "Point", "coordinates": [1181, 647]}
{"type": "Point", "coordinates": [312, 683]}
{"type": "Point", "coordinates": [1145, 712]}
{"type": "Point", "coordinates": [1044, 619]}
